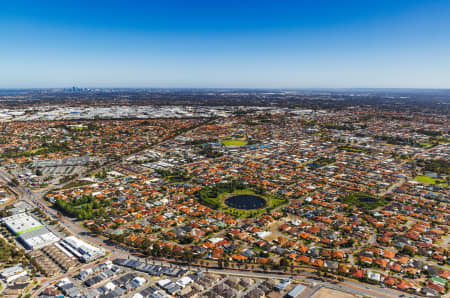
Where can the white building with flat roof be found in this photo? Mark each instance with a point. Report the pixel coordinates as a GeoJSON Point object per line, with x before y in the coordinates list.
{"type": "Point", "coordinates": [82, 250]}
{"type": "Point", "coordinates": [21, 223]}
{"type": "Point", "coordinates": [12, 273]}
{"type": "Point", "coordinates": [39, 238]}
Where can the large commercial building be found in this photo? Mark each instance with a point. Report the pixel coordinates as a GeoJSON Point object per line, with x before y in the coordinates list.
{"type": "Point", "coordinates": [83, 251]}
{"type": "Point", "coordinates": [39, 238]}
{"type": "Point", "coordinates": [294, 293]}
{"type": "Point", "coordinates": [21, 223]}
{"type": "Point", "coordinates": [31, 232]}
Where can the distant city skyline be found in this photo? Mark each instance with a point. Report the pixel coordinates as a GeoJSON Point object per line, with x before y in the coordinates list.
{"type": "Point", "coordinates": [225, 44]}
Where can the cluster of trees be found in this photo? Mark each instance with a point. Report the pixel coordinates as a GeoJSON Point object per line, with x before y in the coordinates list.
{"type": "Point", "coordinates": [440, 166]}
{"type": "Point", "coordinates": [152, 248]}
{"type": "Point", "coordinates": [9, 254]}
{"type": "Point", "coordinates": [350, 148]}
{"type": "Point", "coordinates": [201, 141]}
{"type": "Point", "coordinates": [86, 207]}
{"type": "Point", "coordinates": [156, 250]}
{"type": "Point", "coordinates": [323, 161]}
{"type": "Point", "coordinates": [364, 201]}
{"type": "Point", "coordinates": [431, 133]}
{"type": "Point", "coordinates": [398, 141]}
{"type": "Point", "coordinates": [49, 148]}
{"type": "Point", "coordinates": [250, 122]}
{"type": "Point", "coordinates": [339, 126]}
{"type": "Point", "coordinates": [101, 174]}
{"type": "Point", "coordinates": [76, 183]}
{"type": "Point", "coordinates": [5, 211]}
{"type": "Point", "coordinates": [400, 156]}
{"type": "Point", "coordinates": [175, 175]}
{"type": "Point", "coordinates": [37, 266]}
{"type": "Point", "coordinates": [209, 152]}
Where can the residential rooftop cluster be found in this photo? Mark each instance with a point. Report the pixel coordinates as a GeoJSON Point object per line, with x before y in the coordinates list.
{"type": "Point", "coordinates": [133, 278]}
{"type": "Point", "coordinates": [355, 192]}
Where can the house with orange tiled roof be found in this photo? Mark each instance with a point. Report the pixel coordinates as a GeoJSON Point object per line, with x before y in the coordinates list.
{"type": "Point", "coordinates": [396, 267]}
{"type": "Point", "coordinates": [445, 274]}
{"type": "Point", "coordinates": [388, 254]}
{"type": "Point", "coordinates": [382, 263]}
{"type": "Point", "coordinates": [302, 259]}
{"type": "Point", "coordinates": [358, 273]}
{"type": "Point", "coordinates": [338, 254]}
{"type": "Point", "coordinates": [302, 248]}
{"type": "Point", "coordinates": [403, 285]}
{"type": "Point", "coordinates": [239, 258]}
{"type": "Point", "coordinates": [390, 281]}
{"type": "Point", "coordinates": [414, 272]}
{"type": "Point", "coordinates": [317, 262]}
{"type": "Point", "coordinates": [402, 260]}
{"type": "Point", "coordinates": [217, 253]}
{"type": "Point", "coordinates": [344, 268]}
{"type": "Point", "coordinates": [366, 260]}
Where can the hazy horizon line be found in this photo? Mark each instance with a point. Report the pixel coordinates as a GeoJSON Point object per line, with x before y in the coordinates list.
{"type": "Point", "coordinates": [232, 88]}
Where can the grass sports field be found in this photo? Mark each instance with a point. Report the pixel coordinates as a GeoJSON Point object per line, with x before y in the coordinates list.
{"type": "Point", "coordinates": [233, 143]}
{"type": "Point", "coordinates": [430, 180]}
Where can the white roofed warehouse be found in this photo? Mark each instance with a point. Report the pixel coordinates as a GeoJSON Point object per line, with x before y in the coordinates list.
{"type": "Point", "coordinates": [21, 223]}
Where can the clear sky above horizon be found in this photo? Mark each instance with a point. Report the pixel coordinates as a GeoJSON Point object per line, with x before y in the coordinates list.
{"type": "Point", "coordinates": [273, 44]}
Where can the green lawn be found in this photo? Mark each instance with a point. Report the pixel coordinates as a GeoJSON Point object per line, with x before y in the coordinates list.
{"type": "Point", "coordinates": [233, 143]}
{"type": "Point", "coordinates": [430, 180]}
{"type": "Point", "coordinates": [364, 200]}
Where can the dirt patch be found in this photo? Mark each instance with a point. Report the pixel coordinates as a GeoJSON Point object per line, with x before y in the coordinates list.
{"type": "Point", "coordinates": [275, 225]}
{"type": "Point", "coordinates": [271, 237]}
{"type": "Point", "coordinates": [329, 293]}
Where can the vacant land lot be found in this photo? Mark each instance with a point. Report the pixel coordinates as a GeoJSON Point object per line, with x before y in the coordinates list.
{"type": "Point", "coordinates": [329, 293]}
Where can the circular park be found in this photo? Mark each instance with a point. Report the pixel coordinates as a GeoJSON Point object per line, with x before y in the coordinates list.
{"type": "Point", "coordinates": [239, 200]}
{"type": "Point", "coordinates": [364, 200]}
{"type": "Point", "coordinates": [246, 202]}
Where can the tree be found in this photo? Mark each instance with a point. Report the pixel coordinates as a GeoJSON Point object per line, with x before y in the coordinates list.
{"type": "Point", "coordinates": [165, 251]}
{"type": "Point", "coordinates": [145, 244]}
{"type": "Point", "coordinates": [156, 250]}
{"type": "Point", "coordinates": [284, 263]}
{"type": "Point", "coordinates": [187, 256]}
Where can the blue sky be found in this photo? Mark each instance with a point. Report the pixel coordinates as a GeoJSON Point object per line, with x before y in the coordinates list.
{"type": "Point", "coordinates": [273, 44]}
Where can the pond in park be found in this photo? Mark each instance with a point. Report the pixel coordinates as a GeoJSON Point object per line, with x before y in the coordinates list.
{"type": "Point", "coordinates": [367, 199]}
{"type": "Point", "coordinates": [246, 202]}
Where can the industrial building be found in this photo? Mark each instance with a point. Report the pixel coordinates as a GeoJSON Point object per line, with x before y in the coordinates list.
{"type": "Point", "coordinates": [80, 249]}
{"type": "Point", "coordinates": [21, 223]}
{"type": "Point", "coordinates": [294, 293]}
{"type": "Point", "coordinates": [39, 238]}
